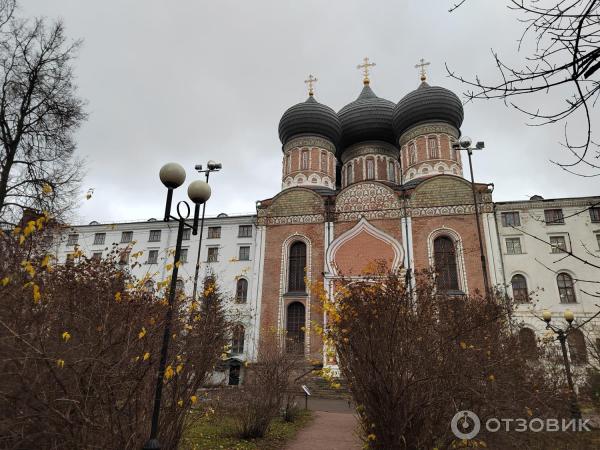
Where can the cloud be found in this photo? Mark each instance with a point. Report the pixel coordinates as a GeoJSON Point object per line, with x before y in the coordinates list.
{"type": "Point", "coordinates": [190, 81]}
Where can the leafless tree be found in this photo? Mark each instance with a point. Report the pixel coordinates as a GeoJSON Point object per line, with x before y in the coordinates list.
{"type": "Point", "coordinates": [39, 112]}
{"type": "Point", "coordinates": [564, 37]}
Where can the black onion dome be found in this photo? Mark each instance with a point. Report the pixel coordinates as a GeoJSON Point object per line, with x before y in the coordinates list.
{"type": "Point", "coordinates": [310, 118]}
{"type": "Point", "coordinates": [428, 104]}
{"type": "Point", "coordinates": [368, 118]}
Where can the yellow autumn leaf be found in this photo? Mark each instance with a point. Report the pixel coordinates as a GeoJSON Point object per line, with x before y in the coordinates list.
{"type": "Point", "coordinates": [45, 261]}
{"type": "Point", "coordinates": [5, 281]}
{"type": "Point", "coordinates": [463, 345]}
{"type": "Point", "coordinates": [146, 356]}
{"type": "Point", "coordinates": [37, 296]}
{"type": "Point", "coordinates": [492, 378]}
{"type": "Point", "coordinates": [21, 239]}
{"type": "Point", "coordinates": [30, 228]}
{"type": "Point", "coordinates": [60, 363]}
{"type": "Point", "coordinates": [179, 368]}
{"type": "Point", "coordinates": [142, 333]}
{"type": "Point", "coordinates": [168, 267]}
{"type": "Point", "coordinates": [169, 372]}
{"type": "Point", "coordinates": [193, 399]}
{"type": "Point", "coordinates": [46, 189]}
{"type": "Point", "coordinates": [118, 297]}
{"type": "Point", "coordinates": [180, 403]}
{"type": "Point", "coordinates": [66, 336]}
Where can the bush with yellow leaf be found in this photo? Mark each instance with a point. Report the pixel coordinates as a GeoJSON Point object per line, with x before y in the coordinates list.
{"type": "Point", "coordinates": [412, 359]}
{"type": "Point", "coordinates": [80, 346]}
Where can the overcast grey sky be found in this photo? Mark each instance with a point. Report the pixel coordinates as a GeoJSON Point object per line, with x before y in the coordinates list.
{"type": "Point", "coordinates": [193, 80]}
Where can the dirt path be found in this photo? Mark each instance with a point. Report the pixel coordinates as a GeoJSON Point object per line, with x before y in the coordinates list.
{"type": "Point", "coordinates": [328, 431]}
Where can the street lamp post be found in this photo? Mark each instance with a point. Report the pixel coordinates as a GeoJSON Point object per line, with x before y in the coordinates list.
{"type": "Point", "coordinates": [211, 166]}
{"type": "Point", "coordinates": [172, 176]}
{"type": "Point", "coordinates": [465, 144]}
{"type": "Point", "coordinates": [561, 336]}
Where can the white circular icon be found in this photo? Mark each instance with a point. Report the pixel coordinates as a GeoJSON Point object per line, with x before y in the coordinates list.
{"type": "Point", "coordinates": [464, 421]}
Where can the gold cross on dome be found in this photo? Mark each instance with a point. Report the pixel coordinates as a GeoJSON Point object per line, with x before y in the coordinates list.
{"type": "Point", "coordinates": [365, 68]}
{"type": "Point", "coordinates": [422, 66]}
{"type": "Point", "coordinates": [311, 81]}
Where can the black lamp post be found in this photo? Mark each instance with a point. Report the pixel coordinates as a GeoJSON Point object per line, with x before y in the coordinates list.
{"type": "Point", "coordinates": [211, 166]}
{"type": "Point", "coordinates": [172, 176]}
{"type": "Point", "coordinates": [561, 336]}
{"type": "Point", "coordinates": [465, 144]}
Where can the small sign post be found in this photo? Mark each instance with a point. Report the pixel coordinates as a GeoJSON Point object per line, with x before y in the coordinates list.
{"type": "Point", "coordinates": [306, 394]}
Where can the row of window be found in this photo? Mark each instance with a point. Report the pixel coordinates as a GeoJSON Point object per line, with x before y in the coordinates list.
{"type": "Point", "coordinates": [433, 151]}
{"type": "Point", "coordinates": [305, 161]}
{"type": "Point", "coordinates": [575, 341]}
{"type": "Point", "coordinates": [212, 256]}
{"type": "Point", "coordinates": [241, 288]}
{"type": "Point", "coordinates": [244, 231]}
{"type": "Point", "coordinates": [370, 171]}
{"type": "Point", "coordinates": [558, 244]}
{"type": "Point", "coordinates": [551, 217]}
{"type": "Point", "coordinates": [564, 282]}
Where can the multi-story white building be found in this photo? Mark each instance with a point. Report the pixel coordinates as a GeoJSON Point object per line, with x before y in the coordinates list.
{"type": "Point", "coordinates": [528, 247]}
{"type": "Point", "coordinates": [230, 250]}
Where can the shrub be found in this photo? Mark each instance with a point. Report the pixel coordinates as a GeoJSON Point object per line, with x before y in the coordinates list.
{"type": "Point", "coordinates": [414, 359]}
{"type": "Point", "coordinates": [79, 351]}
{"type": "Point", "coordinates": [265, 386]}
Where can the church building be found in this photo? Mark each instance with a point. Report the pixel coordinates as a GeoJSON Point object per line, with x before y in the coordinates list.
{"type": "Point", "coordinates": [377, 180]}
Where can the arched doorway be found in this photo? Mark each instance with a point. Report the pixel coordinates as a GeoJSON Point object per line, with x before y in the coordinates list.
{"type": "Point", "coordinates": [295, 323]}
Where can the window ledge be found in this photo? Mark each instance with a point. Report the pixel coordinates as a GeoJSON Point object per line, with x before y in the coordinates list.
{"type": "Point", "coordinates": [296, 294]}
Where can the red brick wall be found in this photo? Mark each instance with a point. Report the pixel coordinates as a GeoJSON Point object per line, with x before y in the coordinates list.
{"type": "Point", "coordinates": [466, 227]}
{"type": "Point", "coordinates": [275, 238]}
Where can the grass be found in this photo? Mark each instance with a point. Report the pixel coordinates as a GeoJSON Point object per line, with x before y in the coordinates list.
{"type": "Point", "coordinates": [219, 432]}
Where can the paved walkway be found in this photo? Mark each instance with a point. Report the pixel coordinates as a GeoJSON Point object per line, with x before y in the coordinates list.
{"type": "Point", "coordinates": [329, 430]}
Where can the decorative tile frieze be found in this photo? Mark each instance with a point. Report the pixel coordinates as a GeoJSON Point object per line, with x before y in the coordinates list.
{"type": "Point", "coordinates": [291, 220]}
{"type": "Point", "coordinates": [308, 141]}
{"type": "Point", "coordinates": [428, 128]}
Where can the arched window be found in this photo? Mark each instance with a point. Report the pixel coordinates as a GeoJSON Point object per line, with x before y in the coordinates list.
{"type": "Point", "coordinates": [297, 267]}
{"type": "Point", "coordinates": [577, 349]}
{"type": "Point", "coordinates": [412, 154]}
{"type": "Point", "coordinates": [304, 160]}
{"type": "Point", "coordinates": [370, 169]}
{"type": "Point", "coordinates": [566, 289]}
{"type": "Point", "coordinates": [433, 147]}
{"type": "Point", "coordinates": [391, 172]}
{"type": "Point", "coordinates": [241, 290]}
{"type": "Point", "coordinates": [444, 256]}
{"type": "Point", "coordinates": [295, 323]}
{"type": "Point", "coordinates": [237, 340]}
{"type": "Point", "coordinates": [350, 174]}
{"type": "Point", "coordinates": [519, 288]}
{"type": "Point", "coordinates": [528, 343]}
{"type": "Point", "coordinates": [323, 162]}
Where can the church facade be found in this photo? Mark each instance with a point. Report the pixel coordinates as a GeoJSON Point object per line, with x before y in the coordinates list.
{"type": "Point", "coordinates": [377, 180]}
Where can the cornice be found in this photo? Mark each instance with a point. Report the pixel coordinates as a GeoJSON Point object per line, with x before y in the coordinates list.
{"type": "Point", "coordinates": [369, 148]}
